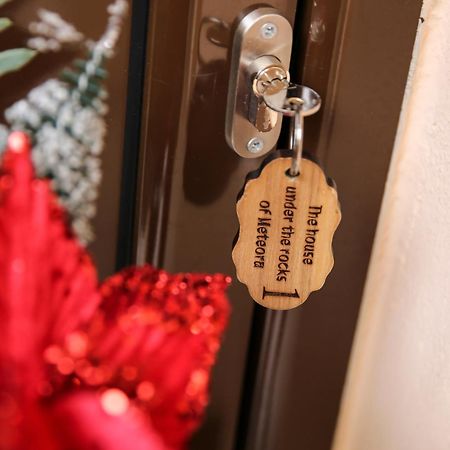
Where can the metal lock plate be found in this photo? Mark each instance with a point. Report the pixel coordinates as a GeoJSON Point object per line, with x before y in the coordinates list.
{"type": "Point", "coordinates": [260, 59]}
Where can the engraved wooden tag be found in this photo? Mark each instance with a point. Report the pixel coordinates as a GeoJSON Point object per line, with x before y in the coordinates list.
{"type": "Point", "coordinates": [284, 247]}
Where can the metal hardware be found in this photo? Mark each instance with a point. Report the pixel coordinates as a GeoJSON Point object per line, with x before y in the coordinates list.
{"type": "Point", "coordinates": [269, 30]}
{"type": "Point", "coordinates": [300, 102]}
{"type": "Point", "coordinates": [311, 100]}
{"type": "Point", "coordinates": [255, 145]}
{"type": "Point", "coordinates": [260, 57]}
{"type": "Point", "coordinates": [271, 78]}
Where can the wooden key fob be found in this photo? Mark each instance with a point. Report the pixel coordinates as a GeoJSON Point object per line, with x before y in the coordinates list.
{"type": "Point", "coordinates": [283, 250]}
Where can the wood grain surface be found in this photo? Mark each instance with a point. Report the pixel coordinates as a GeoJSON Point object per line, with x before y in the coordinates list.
{"type": "Point", "coordinates": [284, 247]}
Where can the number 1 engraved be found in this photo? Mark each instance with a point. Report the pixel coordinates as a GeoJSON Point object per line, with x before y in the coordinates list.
{"type": "Point", "coordinates": [279, 294]}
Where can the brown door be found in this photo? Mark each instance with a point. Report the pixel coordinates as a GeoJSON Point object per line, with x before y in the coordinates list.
{"type": "Point", "coordinates": [279, 377]}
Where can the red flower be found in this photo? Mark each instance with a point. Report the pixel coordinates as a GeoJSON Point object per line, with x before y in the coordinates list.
{"type": "Point", "coordinates": [123, 365]}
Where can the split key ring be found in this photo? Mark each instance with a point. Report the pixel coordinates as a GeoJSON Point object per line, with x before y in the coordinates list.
{"type": "Point", "coordinates": [300, 101]}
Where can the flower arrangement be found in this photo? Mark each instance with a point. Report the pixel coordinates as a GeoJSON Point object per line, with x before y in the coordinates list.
{"type": "Point", "coordinates": [123, 364]}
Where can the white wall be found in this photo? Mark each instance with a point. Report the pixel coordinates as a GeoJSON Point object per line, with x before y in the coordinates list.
{"type": "Point", "coordinates": [397, 394]}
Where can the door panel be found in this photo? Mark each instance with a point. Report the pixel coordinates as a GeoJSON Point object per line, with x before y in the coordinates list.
{"type": "Point", "coordinates": [279, 376]}
{"type": "Point", "coordinates": [189, 177]}
{"type": "Point", "coordinates": [353, 137]}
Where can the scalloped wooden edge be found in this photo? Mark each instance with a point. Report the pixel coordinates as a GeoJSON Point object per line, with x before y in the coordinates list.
{"type": "Point", "coordinates": [318, 278]}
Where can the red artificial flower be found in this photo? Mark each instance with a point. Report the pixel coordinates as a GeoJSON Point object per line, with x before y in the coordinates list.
{"type": "Point", "coordinates": [123, 365]}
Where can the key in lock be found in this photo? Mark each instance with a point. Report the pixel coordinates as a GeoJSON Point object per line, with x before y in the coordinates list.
{"type": "Point", "coordinates": [269, 77]}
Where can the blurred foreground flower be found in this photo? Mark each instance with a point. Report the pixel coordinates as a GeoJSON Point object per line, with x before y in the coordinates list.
{"type": "Point", "coordinates": [123, 365]}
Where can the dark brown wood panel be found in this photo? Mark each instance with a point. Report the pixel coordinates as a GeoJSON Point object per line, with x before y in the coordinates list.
{"type": "Point", "coordinates": [353, 138]}
{"type": "Point", "coordinates": [285, 392]}
{"type": "Point", "coordinates": [189, 177]}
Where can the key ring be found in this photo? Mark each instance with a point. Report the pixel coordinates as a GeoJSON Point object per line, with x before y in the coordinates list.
{"type": "Point", "coordinates": [300, 102]}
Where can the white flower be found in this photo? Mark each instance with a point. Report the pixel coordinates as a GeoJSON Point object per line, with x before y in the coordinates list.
{"type": "Point", "coordinates": [51, 32]}
{"type": "Point", "coordinates": [68, 136]}
{"type": "Point", "coordinates": [24, 114]}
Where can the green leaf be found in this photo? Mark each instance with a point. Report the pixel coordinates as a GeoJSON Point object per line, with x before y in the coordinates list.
{"type": "Point", "coordinates": [14, 59]}
{"type": "Point", "coordinates": [4, 23]}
